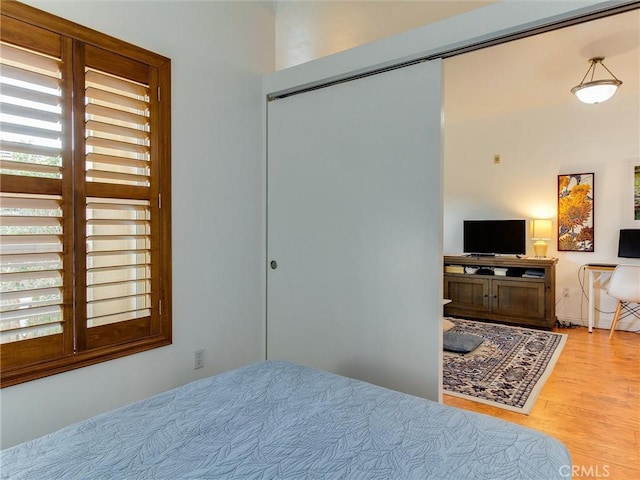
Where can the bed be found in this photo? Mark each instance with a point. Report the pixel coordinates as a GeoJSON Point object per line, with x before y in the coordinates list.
{"type": "Point", "coordinates": [278, 420]}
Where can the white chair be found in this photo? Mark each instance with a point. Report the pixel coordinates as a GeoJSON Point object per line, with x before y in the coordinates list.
{"type": "Point", "coordinates": [625, 287]}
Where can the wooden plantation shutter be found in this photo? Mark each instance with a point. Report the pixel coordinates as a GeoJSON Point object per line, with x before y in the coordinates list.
{"type": "Point", "coordinates": [119, 203]}
{"type": "Point", "coordinates": [85, 197]}
{"type": "Point", "coordinates": [35, 211]}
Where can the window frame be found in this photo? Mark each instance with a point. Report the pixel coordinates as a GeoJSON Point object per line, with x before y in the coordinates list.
{"type": "Point", "coordinates": [74, 40]}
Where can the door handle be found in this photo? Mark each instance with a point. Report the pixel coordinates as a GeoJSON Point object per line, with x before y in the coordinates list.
{"type": "Point", "coordinates": [273, 264]}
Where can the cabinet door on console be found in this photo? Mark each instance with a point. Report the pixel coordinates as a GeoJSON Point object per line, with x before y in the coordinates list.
{"type": "Point", "coordinates": [518, 299]}
{"type": "Point", "coordinates": [467, 293]}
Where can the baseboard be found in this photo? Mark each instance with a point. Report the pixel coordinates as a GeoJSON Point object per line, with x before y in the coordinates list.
{"type": "Point", "coordinates": [627, 324]}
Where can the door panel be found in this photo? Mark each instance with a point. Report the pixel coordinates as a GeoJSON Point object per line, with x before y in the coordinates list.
{"type": "Point", "coordinates": [354, 224]}
{"type": "Point", "coordinates": [467, 293]}
{"type": "Point", "coordinates": [518, 299]}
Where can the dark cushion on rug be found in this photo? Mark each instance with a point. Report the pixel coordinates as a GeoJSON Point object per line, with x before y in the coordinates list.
{"type": "Point", "coordinates": [461, 342]}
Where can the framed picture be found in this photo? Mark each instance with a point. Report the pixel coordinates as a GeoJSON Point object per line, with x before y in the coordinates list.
{"type": "Point", "coordinates": [629, 180]}
{"type": "Point", "coordinates": [575, 212]}
{"type": "Point", "coordinates": [636, 192]}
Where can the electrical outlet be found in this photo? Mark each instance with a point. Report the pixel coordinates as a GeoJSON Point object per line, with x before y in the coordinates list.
{"type": "Point", "coordinates": [198, 359]}
{"type": "Point", "coordinates": [565, 292]}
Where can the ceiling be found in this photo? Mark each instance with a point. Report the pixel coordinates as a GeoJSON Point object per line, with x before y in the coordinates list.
{"type": "Point", "coordinates": [533, 72]}
{"type": "Point", "coordinates": [539, 71]}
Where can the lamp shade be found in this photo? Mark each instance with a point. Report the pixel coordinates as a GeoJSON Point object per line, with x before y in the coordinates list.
{"type": "Point", "coordinates": [596, 92]}
{"type": "Point", "coordinates": [541, 229]}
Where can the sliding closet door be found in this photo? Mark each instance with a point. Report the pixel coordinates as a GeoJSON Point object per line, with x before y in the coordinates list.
{"type": "Point", "coordinates": [354, 282]}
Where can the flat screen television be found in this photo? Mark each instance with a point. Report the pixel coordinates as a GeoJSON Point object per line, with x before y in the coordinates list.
{"type": "Point", "coordinates": [494, 237]}
{"type": "Point", "coordinates": [629, 243]}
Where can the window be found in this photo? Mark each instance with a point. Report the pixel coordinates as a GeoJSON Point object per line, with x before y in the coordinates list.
{"type": "Point", "coordinates": [85, 240]}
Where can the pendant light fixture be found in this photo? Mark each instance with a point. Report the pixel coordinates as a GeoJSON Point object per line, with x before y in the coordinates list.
{"type": "Point", "coordinates": [596, 91]}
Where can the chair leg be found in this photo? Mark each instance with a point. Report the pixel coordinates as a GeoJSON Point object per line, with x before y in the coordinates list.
{"type": "Point", "coordinates": [615, 319]}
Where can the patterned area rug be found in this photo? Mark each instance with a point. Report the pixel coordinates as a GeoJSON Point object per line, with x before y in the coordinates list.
{"type": "Point", "coordinates": [507, 370]}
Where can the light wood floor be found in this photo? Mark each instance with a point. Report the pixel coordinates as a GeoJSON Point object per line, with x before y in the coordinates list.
{"type": "Point", "coordinates": [591, 403]}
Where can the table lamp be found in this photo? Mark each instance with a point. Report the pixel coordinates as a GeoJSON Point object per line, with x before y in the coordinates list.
{"type": "Point", "coordinates": [540, 233]}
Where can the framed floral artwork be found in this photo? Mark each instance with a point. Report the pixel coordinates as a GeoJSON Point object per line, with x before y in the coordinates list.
{"type": "Point", "coordinates": [575, 212]}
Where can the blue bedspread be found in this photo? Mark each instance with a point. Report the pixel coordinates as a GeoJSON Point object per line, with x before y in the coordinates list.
{"type": "Point", "coordinates": [277, 420]}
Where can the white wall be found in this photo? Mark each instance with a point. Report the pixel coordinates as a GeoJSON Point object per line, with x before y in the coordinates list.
{"type": "Point", "coordinates": [312, 29]}
{"type": "Point", "coordinates": [535, 147]}
{"type": "Point", "coordinates": [221, 50]}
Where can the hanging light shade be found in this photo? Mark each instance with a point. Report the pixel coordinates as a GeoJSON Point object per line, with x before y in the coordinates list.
{"type": "Point", "coordinates": [596, 91]}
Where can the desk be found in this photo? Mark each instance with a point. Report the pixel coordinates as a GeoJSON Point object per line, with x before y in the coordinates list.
{"type": "Point", "coordinates": [595, 271]}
